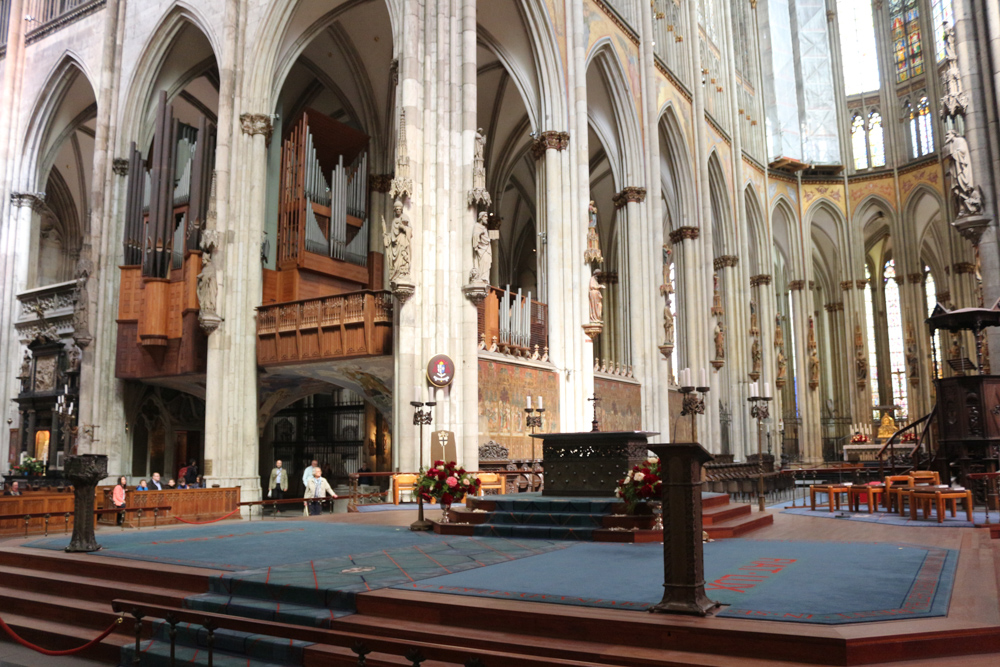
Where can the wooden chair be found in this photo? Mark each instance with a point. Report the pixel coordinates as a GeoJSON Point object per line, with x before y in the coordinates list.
{"type": "Point", "coordinates": [402, 482]}
{"type": "Point", "coordinates": [925, 477]}
{"type": "Point", "coordinates": [492, 480]}
{"type": "Point", "coordinates": [891, 481]}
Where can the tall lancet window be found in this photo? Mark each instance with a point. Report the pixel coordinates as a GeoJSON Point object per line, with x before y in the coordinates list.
{"type": "Point", "coordinates": [872, 356]}
{"type": "Point", "coordinates": [904, 17]}
{"type": "Point", "coordinates": [858, 143]}
{"type": "Point", "coordinates": [930, 297]}
{"type": "Point", "coordinates": [894, 325]}
{"type": "Point", "coordinates": [876, 144]}
{"type": "Point", "coordinates": [673, 312]}
{"type": "Point", "coordinates": [941, 14]}
{"type": "Point", "coordinates": [926, 126]}
{"type": "Point", "coordinates": [857, 46]}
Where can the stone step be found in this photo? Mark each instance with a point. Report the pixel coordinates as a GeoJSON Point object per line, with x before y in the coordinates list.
{"type": "Point", "coordinates": [533, 532]}
{"type": "Point", "coordinates": [157, 654]}
{"type": "Point", "coordinates": [711, 516]}
{"type": "Point", "coordinates": [84, 588]}
{"type": "Point", "coordinates": [265, 648]}
{"type": "Point", "coordinates": [545, 505]}
{"type": "Point", "coordinates": [740, 525]}
{"type": "Point", "coordinates": [266, 610]}
{"type": "Point", "coordinates": [558, 519]}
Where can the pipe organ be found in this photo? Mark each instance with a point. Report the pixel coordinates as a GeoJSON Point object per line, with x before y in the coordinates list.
{"type": "Point", "coordinates": [323, 224]}
{"type": "Point", "coordinates": [167, 202]}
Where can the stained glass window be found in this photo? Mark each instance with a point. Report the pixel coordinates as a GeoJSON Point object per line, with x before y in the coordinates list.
{"type": "Point", "coordinates": [930, 297]}
{"type": "Point", "coordinates": [858, 143]}
{"type": "Point", "coordinates": [872, 357]}
{"type": "Point", "coordinates": [926, 127]}
{"type": "Point", "coordinates": [904, 19]}
{"type": "Point", "coordinates": [857, 46]}
{"type": "Point", "coordinates": [897, 354]}
{"type": "Point", "coordinates": [941, 13]}
{"type": "Point", "coordinates": [876, 145]}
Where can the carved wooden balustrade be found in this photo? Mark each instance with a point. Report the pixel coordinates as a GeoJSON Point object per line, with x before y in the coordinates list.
{"type": "Point", "coordinates": [347, 325]}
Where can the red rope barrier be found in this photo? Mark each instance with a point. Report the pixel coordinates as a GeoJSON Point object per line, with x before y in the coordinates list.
{"type": "Point", "coordinates": [202, 523]}
{"type": "Point", "coordinates": [39, 649]}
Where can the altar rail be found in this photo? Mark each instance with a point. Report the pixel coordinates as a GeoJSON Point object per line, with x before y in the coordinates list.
{"type": "Point", "coordinates": [35, 503]}
{"type": "Point", "coordinates": [191, 504]}
{"type": "Point", "coordinates": [347, 325]}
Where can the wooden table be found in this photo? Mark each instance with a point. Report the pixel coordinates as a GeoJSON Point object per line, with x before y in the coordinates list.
{"type": "Point", "coordinates": [939, 498]}
{"type": "Point", "coordinates": [832, 491]}
{"type": "Point", "coordinates": [855, 493]}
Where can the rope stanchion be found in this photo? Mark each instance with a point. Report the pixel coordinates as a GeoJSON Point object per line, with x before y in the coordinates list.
{"type": "Point", "coordinates": [23, 642]}
{"type": "Point", "coordinates": [202, 523]}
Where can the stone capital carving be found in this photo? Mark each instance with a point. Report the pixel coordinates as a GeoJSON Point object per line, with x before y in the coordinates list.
{"type": "Point", "coordinates": [963, 267]}
{"type": "Point", "coordinates": [943, 297]}
{"type": "Point", "coordinates": [33, 199]}
{"type": "Point", "coordinates": [684, 233]}
{"type": "Point", "coordinates": [380, 182]}
{"type": "Point", "coordinates": [861, 284]}
{"type": "Point", "coordinates": [796, 285]}
{"type": "Point", "coordinates": [120, 166]}
{"type": "Point", "coordinates": [550, 139]}
{"type": "Point", "coordinates": [257, 123]}
{"type": "Point", "coordinates": [760, 279]}
{"type": "Point", "coordinates": [835, 307]}
{"type": "Point", "coordinates": [723, 261]}
{"type": "Point", "coordinates": [914, 278]}
{"type": "Point", "coordinates": [629, 195]}
{"type": "Point", "coordinates": [846, 285]}
{"type": "Point", "coordinates": [812, 284]}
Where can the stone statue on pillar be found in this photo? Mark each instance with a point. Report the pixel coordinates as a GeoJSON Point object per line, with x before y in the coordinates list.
{"type": "Point", "coordinates": [208, 281]}
{"type": "Point", "coordinates": [596, 299]}
{"type": "Point", "coordinates": [719, 337]}
{"type": "Point", "coordinates": [482, 251]}
{"type": "Point", "coordinates": [756, 360]}
{"type": "Point", "coordinates": [397, 239]}
{"type": "Point", "coordinates": [592, 255]}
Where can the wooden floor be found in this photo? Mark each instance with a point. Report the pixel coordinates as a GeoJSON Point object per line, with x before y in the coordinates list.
{"type": "Point", "coordinates": [972, 625]}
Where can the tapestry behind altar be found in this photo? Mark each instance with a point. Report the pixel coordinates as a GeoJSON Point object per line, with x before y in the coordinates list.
{"type": "Point", "coordinates": [502, 390]}
{"type": "Point", "coordinates": [620, 407]}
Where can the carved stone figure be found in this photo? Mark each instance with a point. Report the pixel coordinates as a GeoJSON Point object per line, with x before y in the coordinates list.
{"type": "Point", "coordinates": [782, 364]}
{"type": "Point", "coordinates": [397, 243]}
{"type": "Point", "coordinates": [756, 357]}
{"type": "Point", "coordinates": [861, 370]}
{"type": "Point", "coordinates": [482, 251]}
{"type": "Point", "coordinates": [717, 309]}
{"type": "Point", "coordinates": [954, 102]}
{"type": "Point", "coordinates": [593, 252]}
{"type": "Point", "coordinates": [596, 298]}
{"type": "Point", "coordinates": [667, 287]}
{"type": "Point", "coordinates": [720, 341]}
{"type": "Point", "coordinates": [74, 355]}
{"type": "Point", "coordinates": [968, 199]}
{"type": "Point", "coordinates": [813, 368]}
{"type": "Point", "coordinates": [207, 285]}
{"type": "Point", "coordinates": [81, 311]}
{"type": "Point", "coordinates": [912, 357]}
{"type": "Point", "coordinates": [25, 366]}
{"type": "Point", "coordinates": [754, 325]}
{"type": "Point", "coordinates": [668, 326]}
{"type": "Point", "coordinates": [779, 334]}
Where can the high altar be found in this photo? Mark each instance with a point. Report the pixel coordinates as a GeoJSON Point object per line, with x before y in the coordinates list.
{"type": "Point", "coordinates": [590, 463]}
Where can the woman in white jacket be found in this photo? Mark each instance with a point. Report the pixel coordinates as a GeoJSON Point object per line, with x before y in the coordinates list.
{"type": "Point", "coordinates": [316, 488]}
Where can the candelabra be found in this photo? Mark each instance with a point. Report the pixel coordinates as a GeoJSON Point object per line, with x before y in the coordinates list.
{"type": "Point", "coordinates": [760, 411]}
{"type": "Point", "coordinates": [64, 412]}
{"type": "Point", "coordinates": [693, 404]}
{"type": "Point", "coordinates": [533, 419]}
{"type": "Point", "coordinates": [421, 418]}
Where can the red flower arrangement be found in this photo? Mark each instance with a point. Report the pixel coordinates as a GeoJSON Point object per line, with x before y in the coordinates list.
{"type": "Point", "coordinates": [446, 483]}
{"type": "Point", "coordinates": [909, 436]}
{"type": "Point", "coordinates": [859, 439]}
{"type": "Point", "coordinates": [642, 483]}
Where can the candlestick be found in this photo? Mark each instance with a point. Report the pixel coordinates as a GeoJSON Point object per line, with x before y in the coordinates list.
{"type": "Point", "coordinates": [540, 403]}
{"type": "Point", "coordinates": [767, 389]}
{"type": "Point", "coordinates": [528, 401]}
{"type": "Point", "coordinates": [704, 377]}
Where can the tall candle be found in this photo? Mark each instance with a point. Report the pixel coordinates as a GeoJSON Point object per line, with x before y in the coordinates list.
{"type": "Point", "coordinates": [528, 399]}
{"type": "Point", "coordinates": [539, 402]}
{"type": "Point", "coordinates": [767, 389]}
{"type": "Point", "coordinates": [704, 377]}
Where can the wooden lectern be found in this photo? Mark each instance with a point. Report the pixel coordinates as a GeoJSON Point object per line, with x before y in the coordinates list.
{"type": "Point", "coordinates": [683, 549]}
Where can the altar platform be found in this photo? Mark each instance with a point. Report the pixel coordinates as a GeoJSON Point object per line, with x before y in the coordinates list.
{"type": "Point", "coordinates": [823, 599]}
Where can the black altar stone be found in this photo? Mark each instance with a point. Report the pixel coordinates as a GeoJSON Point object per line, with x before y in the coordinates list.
{"type": "Point", "coordinates": [683, 549]}
{"type": "Point", "coordinates": [591, 463]}
{"type": "Point", "coordinates": [85, 471]}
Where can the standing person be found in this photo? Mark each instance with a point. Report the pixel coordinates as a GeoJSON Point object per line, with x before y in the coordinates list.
{"type": "Point", "coordinates": [154, 484]}
{"type": "Point", "coordinates": [118, 498]}
{"type": "Point", "coordinates": [191, 473]}
{"type": "Point", "coordinates": [307, 474]}
{"type": "Point", "coordinates": [277, 485]}
{"type": "Point", "coordinates": [317, 488]}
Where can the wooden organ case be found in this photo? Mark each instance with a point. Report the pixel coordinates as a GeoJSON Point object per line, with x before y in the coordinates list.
{"type": "Point", "coordinates": [323, 226]}
{"type": "Point", "coordinates": [166, 207]}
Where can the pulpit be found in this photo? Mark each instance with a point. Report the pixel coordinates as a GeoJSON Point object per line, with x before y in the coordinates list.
{"type": "Point", "coordinates": [683, 549]}
{"type": "Point", "coordinates": [590, 463]}
{"type": "Point", "coordinates": [85, 472]}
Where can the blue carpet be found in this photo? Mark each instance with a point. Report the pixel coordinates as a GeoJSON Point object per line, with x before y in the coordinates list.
{"type": "Point", "coordinates": [891, 518]}
{"type": "Point", "coordinates": [810, 582]}
{"type": "Point", "coordinates": [236, 546]}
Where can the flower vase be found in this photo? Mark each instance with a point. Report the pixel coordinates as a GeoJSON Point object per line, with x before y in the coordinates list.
{"type": "Point", "coordinates": [444, 513]}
